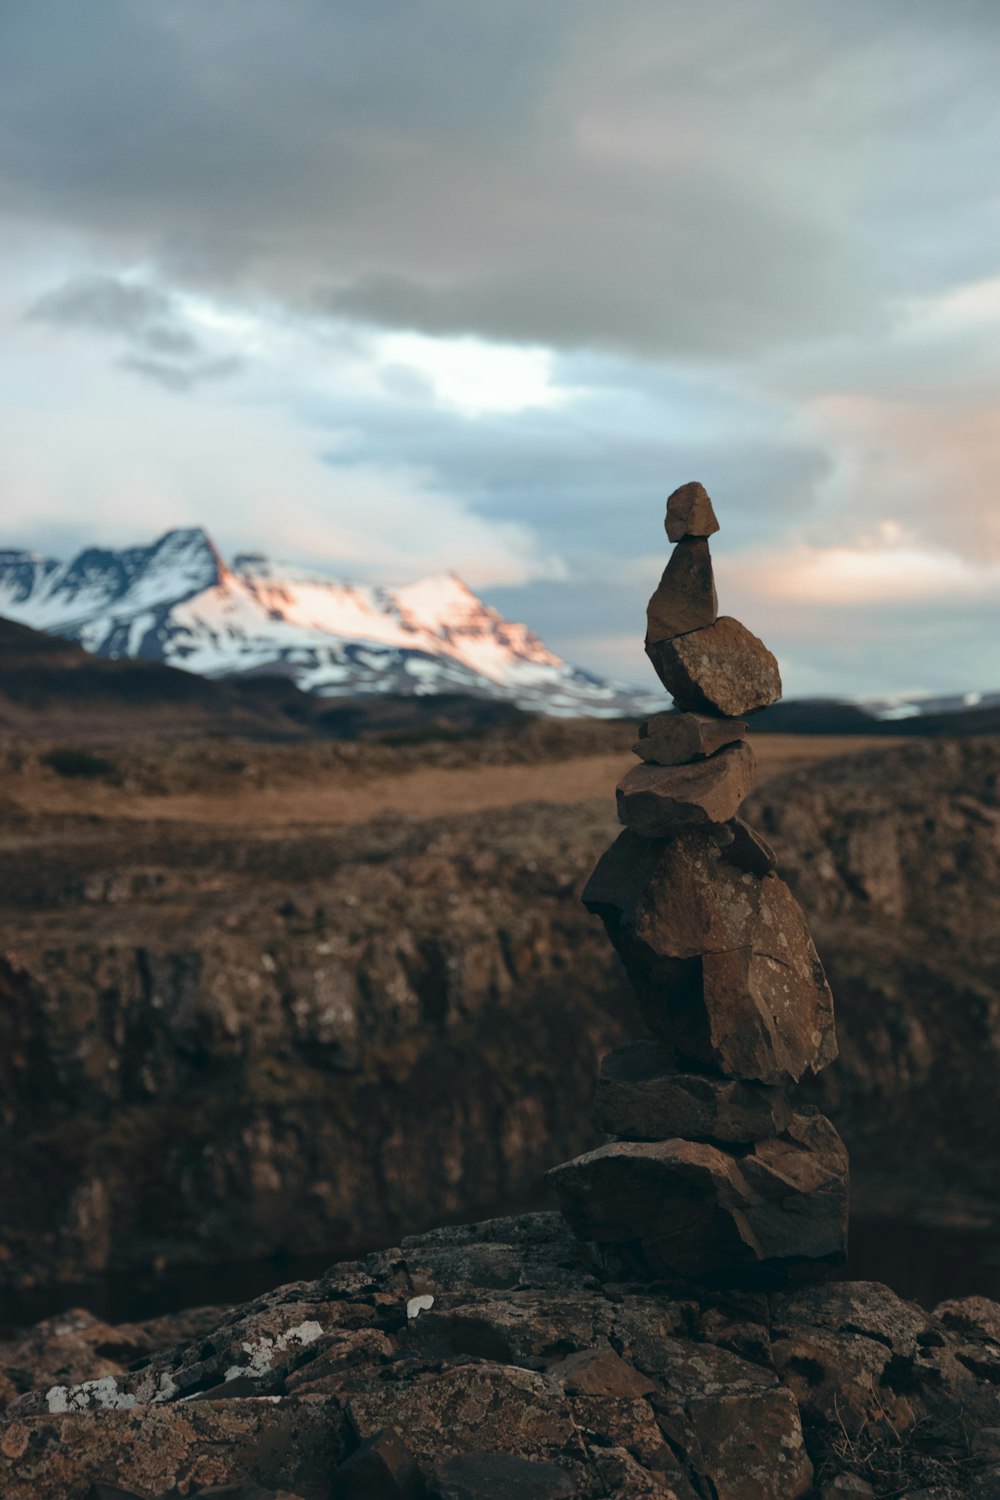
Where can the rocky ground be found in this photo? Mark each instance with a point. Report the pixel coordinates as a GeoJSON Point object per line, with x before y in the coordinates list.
{"type": "Point", "coordinates": [219, 1041]}
{"type": "Point", "coordinates": [498, 1360]}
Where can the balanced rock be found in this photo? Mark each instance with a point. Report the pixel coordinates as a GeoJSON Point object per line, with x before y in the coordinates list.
{"type": "Point", "coordinates": [685, 598]}
{"type": "Point", "coordinates": [722, 669]}
{"type": "Point", "coordinates": [760, 1218]}
{"type": "Point", "coordinates": [721, 961]}
{"type": "Point", "coordinates": [690, 513]}
{"type": "Point", "coordinates": [656, 800]}
{"type": "Point", "coordinates": [671, 739]}
{"type": "Point", "coordinates": [641, 1096]}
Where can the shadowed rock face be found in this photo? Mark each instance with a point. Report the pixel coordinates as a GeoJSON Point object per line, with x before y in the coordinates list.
{"type": "Point", "coordinates": [759, 1218]}
{"type": "Point", "coordinates": [722, 962]}
{"type": "Point", "coordinates": [473, 1359]}
{"type": "Point", "coordinates": [640, 1097]}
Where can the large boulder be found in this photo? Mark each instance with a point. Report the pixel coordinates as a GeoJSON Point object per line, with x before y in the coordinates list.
{"type": "Point", "coordinates": [721, 960]}
{"type": "Point", "coordinates": [760, 1218]}
{"type": "Point", "coordinates": [722, 669]}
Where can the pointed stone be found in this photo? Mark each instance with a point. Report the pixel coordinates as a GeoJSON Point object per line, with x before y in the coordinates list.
{"type": "Point", "coordinates": [672, 739]}
{"type": "Point", "coordinates": [656, 800]}
{"type": "Point", "coordinates": [685, 598]}
{"type": "Point", "coordinates": [641, 1096]}
{"type": "Point", "coordinates": [757, 1218]}
{"type": "Point", "coordinates": [723, 669]}
{"type": "Point", "coordinates": [690, 513]}
{"type": "Point", "coordinates": [721, 961]}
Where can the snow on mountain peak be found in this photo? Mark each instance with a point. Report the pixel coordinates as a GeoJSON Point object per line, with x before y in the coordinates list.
{"type": "Point", "coordinates": [177, 601]}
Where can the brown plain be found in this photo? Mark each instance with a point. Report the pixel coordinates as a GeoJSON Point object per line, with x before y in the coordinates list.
{"type": "Point", "coordinates": [269, 791]}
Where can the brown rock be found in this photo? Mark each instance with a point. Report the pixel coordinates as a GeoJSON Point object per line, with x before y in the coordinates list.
{"type": "Point", "coordinates": [486, 1408]}
{"type": "Point", "coordinates": [745, 848]}
{"type": "Point", "coordinates": [671, 739]}
{"type": "Point", "coordinates": [381, 1469]}
{"type": "Point", "coordinates": [721, 961]}
{"type": "Point", "coordinates": [685, 598]}
{"type": "Point", "coordinates": [656, 800]}
{"type": "Point", "coordinates": [599, 1372]}
{"type": "Point", "coordinates": [760, 1219]}
{"type": "Point", "coordinates": [977, 1317]}
{"type": "Point", "coordinates": [690, 513]}
{"type": "Point", "coordinates": [158, 1448]}
{"type": "Point", "coordinates": [640, 1096]}
{"type": "Point", "coordinates": [753, 1446]}
{"type": "Point", "coordinates": [721, 669]}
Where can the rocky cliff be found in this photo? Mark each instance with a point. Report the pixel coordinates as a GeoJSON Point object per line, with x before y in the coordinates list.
{"type": "Point", "coordinates": [221, 1043]}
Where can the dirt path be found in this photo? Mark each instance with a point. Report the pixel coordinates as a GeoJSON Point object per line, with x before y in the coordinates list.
{"type": "Point", "coordinates": [339, 797]}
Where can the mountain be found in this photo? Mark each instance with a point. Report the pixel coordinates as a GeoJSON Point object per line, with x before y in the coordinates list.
{"type": "Point", "coordinates": [176, 601]}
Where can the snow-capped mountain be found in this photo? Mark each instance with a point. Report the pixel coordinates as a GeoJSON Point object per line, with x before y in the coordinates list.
{"type": "Point", "coordinates": [925, 704]}
{"type": "Point", "coordinates": [177, 601]}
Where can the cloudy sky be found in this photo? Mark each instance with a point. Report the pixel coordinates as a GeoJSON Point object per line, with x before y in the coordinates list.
{"type": "Point", "coordinates": [409, 285]}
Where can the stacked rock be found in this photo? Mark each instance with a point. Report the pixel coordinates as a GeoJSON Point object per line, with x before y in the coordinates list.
{"type": "Point", "coordinates": [710, 1172]}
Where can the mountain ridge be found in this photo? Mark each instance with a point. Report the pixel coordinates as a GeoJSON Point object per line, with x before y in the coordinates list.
{"type": "Point", "coordinates": [179, 602]}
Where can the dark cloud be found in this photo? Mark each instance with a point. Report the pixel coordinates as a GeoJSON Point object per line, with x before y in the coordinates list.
{"type": "Point", "coordinates": [660, 179]}
{"type": "Point", "coordinates": [177, 377]}
{"type": "Point", "coordinates": [146, 318]}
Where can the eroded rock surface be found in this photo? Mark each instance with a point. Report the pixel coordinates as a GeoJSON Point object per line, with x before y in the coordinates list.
{"type": "Point", "coordinates": [533, 1368]}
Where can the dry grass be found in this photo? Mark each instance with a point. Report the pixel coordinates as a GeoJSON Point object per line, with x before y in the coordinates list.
{"type": "Point", "coordinates": [256, 786]}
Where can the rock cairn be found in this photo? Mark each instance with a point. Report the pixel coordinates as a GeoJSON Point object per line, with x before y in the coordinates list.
{"type": "Point", "coordinates": [711, 1172]}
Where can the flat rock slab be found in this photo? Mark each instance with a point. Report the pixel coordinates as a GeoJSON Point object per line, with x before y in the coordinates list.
{"type": "Point", "coordinates": [723, 669]}
{"type": "Point", "coordinates": [672, 739]}
{"type": "Point", "coordinates": [721, 960]}
{"type": "Point", "coordinates": [764, 1218]}
{"type": "Point", "coordinates": [690, 513]}
{"type": "Point", "coordinates": [685, 598]}
{"type": "Point", "coordinates": [641, 1096]}
{"type": "Point", "coordinates": [657, 800]}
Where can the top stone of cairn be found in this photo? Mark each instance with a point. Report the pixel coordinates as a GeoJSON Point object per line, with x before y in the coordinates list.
{"type": "Point", "coordinates": [690, 513]}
